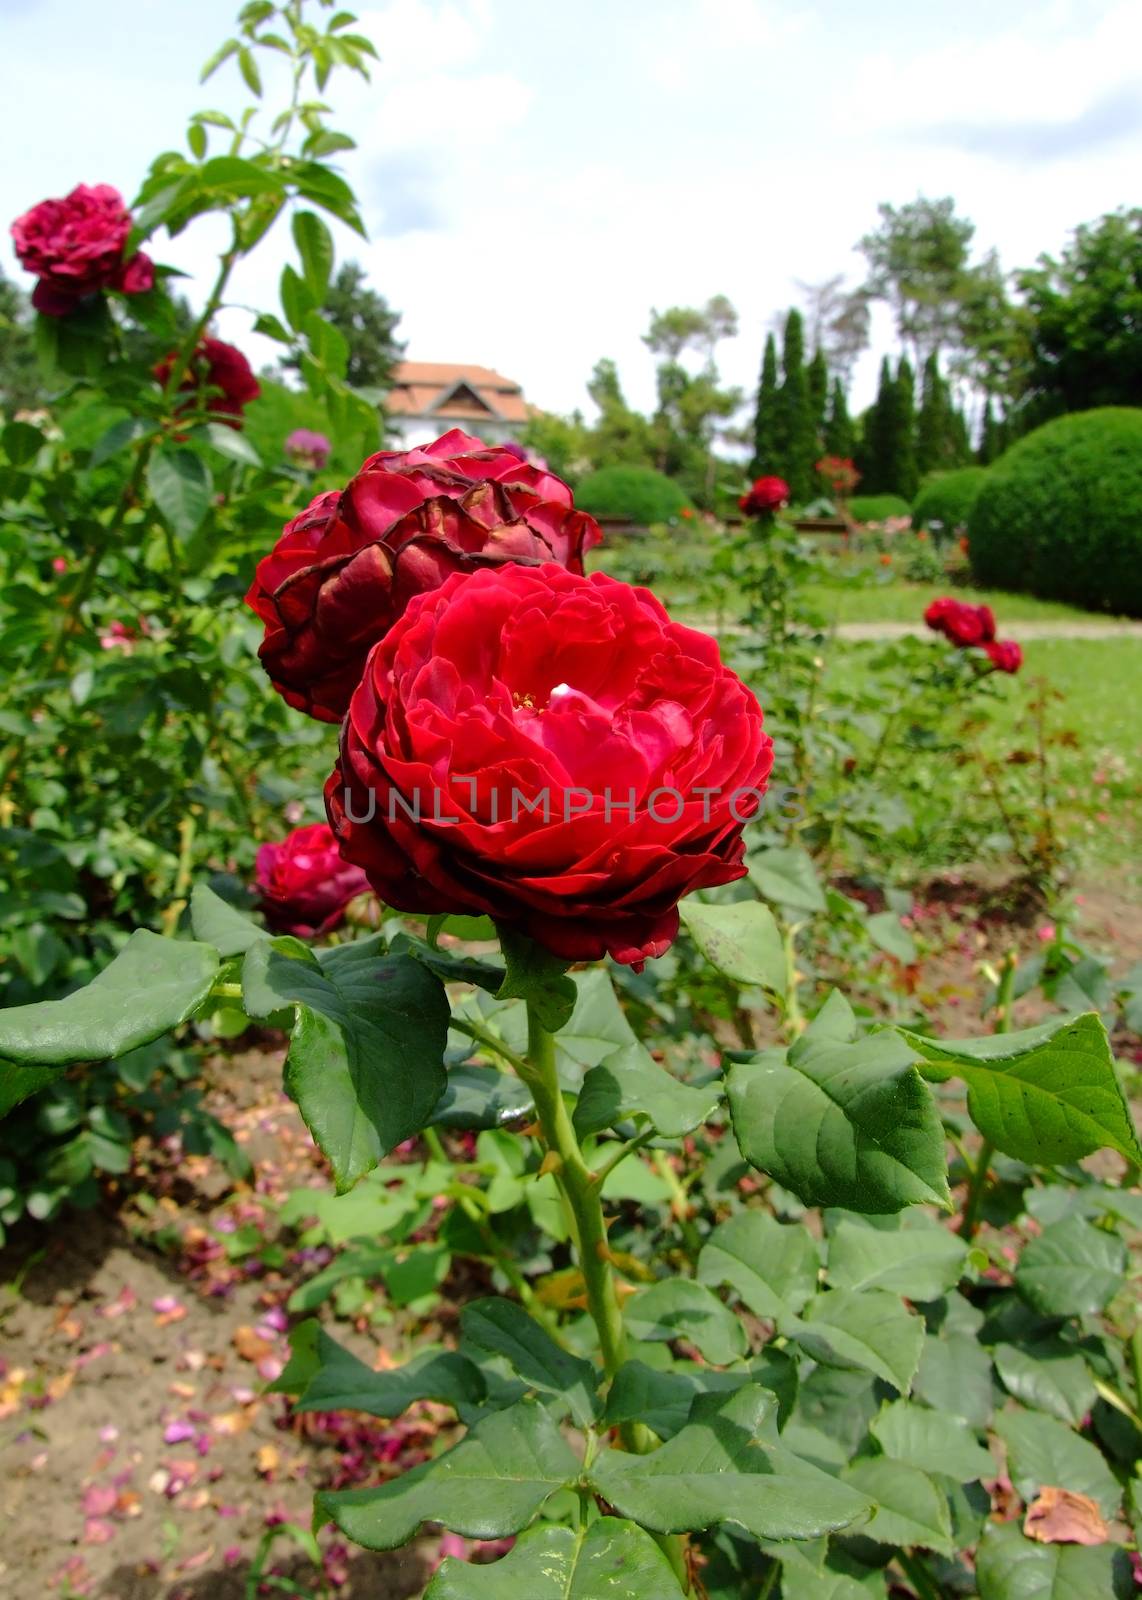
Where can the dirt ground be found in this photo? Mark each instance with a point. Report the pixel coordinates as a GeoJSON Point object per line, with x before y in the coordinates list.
{"type": "Point", "coordinates": [141, 1457]}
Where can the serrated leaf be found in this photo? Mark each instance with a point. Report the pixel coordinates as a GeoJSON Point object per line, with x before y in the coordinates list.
{"type": "Point", "coordinates": [679, 1308]}
{"type": "Point", "coordinates": [229, 442]}
{"type": "Point", "coordinates": [182, 487]}
{"type": "Point", "coordinates": [663, 1400]}
{"type": "Point", "coordinates": [505, 1329]}
{"type": "Point", "coordinates": [152, 985]}
{"type": "Point", "coordinates": [481, 1097]}
{"type": "Point", "coordinates": [365, 1061]}
{"type": "Point", "coordinates": [921, 1261]}
{"type": "Point", "coordinates": [1044, 1095]}
{"type": "Point", "coordinates": [118, 437]}
{"type": "Point", "coordinates": [955, 1377]}
{"type": "Point", "coordinates": [535, 975]}
{"type": "Point", "coordinates": [740, 939]}
{"type": "Point", "coordinates": [934, 1443]}
{"type": "Point", "coordinates": [1042, 1452]}
{"type": "Point", "coordinates": [611, 1557]}
{"type": "Point", "coordinates": [489, 1485]}
{"type": "Point", "coordinates": [1010, 1567]}
{"type": "Point", "coordinates": [631, 1081]}
{"type": "Point", "coordinates": [787, 877]}
{"type": "Point", "coordinates": [315, 247]}
{"type": "Point", "coordinates": [850, 1125]}
{"type": "Point", "coordinates": [1072, 1268]}
{"type": "Point", "coordinates": [910, 1508]}
{"type": "Point", "coordinates": [1047, 1376]}
{"type": "Point", "coordinates": [771, 1266]}
{"type": "Point", "coordinates": [326, 1377]}
{"type": "Point", "coordinates": [217, 922]}
{"type": "Point", "coordinates": [727, 1466]}
{"type": "Point", "coordinates": [872, 1331]}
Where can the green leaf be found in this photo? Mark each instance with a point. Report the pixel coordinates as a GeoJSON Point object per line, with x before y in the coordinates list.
{"type": "Point", "coordinates": [788, 877]}
{"type": "Point", "coordinates": [118, 437]}
{"type": "Point", "coordinates": [1042, 1452]}
{"type": "Point", "coordinates": [850, 1125]}
{"type": "Point", "coordinates": [918, 1259]}
{"type": "Point", "coordinates": [328, 345]}
{"type": "Point", "coordinates": [726, 1466]}
{"type": "Point", "coordinates": [21, 442]}
{"type": "Point", "coordinates": [365, 1061]}
{"type": "Point", "coordinates": [1048, 1376]}
{"type": "Point", "coordinates": [152, 985]}
{"type": "Point", "coordinates": [296, 298]}
{"type": "Point", "coordinates": [315, 247]}
{"type": "Point", "coordinates": [503, 1328]}
{"type": "Point", "coordinates": [1010, 1567]}
{"type": "Point", "coordinates": [885, 930]}
{"type": "Point", "coordinates": [223, 53]}
{"type": "Point", "coordinates": [233, 175]}
{"type": "Point", "coordinates": [327, 1377]}
{"type": "Point", "coordinates": [249, 70]}
{"type": "Point", "coordinates": [871, 1331]}
{"type": "Point", "coordinates": [217, 922]}
{"type": "Point", "coordinates": [740, 939]}
{"type": "Point", "coordinates": [181, 487]}
{"type": "Point", "coordinates": [955, 1377]}
{"type": "Point", "coordinates": [1072, 1268]}
{"type": "Point", "coordinates": [679, 1308]}
{"type": "Point", "coordinates": [934, 1443]}
{"type": "Point", "coordinates": [663, 1400]}
{"type": "Point", "coordinates": [910, 1508]}
{"type": "Point", "coordinates": [481, 1097]}
{"type": "Point", "coordinates": [1044, 1095]}
{"type": "Point", "coordinates": [535, 975]}
{"type": "Point", "coordinates": [489, 1485]}
{"type": "Point", "coordinates": [771, 1266]}
{"type": "Point", "coordinates": [229, 442]}
{"type": "Point", "coordinates": [612, 1557]}
{"type": "Point", "coordinates": [631, 1081]}
{"type": "Point", "coordinates": [273, 328]}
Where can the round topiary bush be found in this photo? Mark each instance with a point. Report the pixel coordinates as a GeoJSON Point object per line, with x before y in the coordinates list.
{"type": "Point", "coordinates": [948, 498]}
{"type": "Point", "coordinates": [878, 507]}
{"type": "Point", "coordinates": [641, 494]}
{"type": "Point", "coordinates": [1060, 514]}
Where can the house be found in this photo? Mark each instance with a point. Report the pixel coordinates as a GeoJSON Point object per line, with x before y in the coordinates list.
{"type": "Point", "coordinates": [429, 397]}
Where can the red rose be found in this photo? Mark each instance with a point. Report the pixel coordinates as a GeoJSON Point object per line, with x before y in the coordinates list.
{"type": "Point", "coordinates": [75, 248]}
{"type": "Point", "coordinates": [220, 374]}
{"type": "Point", "coordinates": [304, 883]}
{"type": "Point", "coordinates": [964, 625]}
{"type": "Point", "coordinates": [1004, 654]}
{"type": "Point", "coordinates": [346, 568]}
{"type": "Point", "coordinates": [579, 762]}
{"type": "Point", "coordinates": [766, 496]}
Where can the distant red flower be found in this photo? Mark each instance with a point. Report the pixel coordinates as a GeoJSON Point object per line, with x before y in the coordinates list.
{"type": "Point", "coordinates": [75, 247]}
{"type": "Point", "coordinates": [1004, 654]}
{"type": "Point", "coordinates": [886, 560]}
{"type": "Point", "coordinates": [839, 473]}
{"type": "Point", "coordinates": [765, 497]}
{"type": "Point", "coordinates": [220, 373]}
{"type": "Point", "coordinates": [964, 625]}
{"type": "Point", "coordinates": [686, 514]}
{"type": "Point", "coordinates": [304, 883]}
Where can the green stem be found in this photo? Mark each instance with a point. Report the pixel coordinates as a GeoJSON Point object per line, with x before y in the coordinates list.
{"type": "Point", "coordinates": [918, 1576]}
{"type": "Point", "coordinates": [977, 1187]}
{"type": "Point", "coordinates": [601, 1174]}
{"type": "Point", "coordinates": [794, 1020]}
{"type": "Point", "coordinates": [1136, 1363]}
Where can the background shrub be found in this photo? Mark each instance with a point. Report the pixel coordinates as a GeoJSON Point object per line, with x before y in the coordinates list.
{"type": "Point", "coordinates": [878, 507]}
{"type": "Point", "coordinates": [948, 498]}
{"type": "Point", "coordinates": [640, 493]}
{"type": "Point", "coordinates": [1060, 514]}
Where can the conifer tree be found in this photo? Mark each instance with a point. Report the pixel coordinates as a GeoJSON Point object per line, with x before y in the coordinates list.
{"type": "Point", "coordinates": [799, 434]}
{"type": "Point", "coordinates": [876, 454]}
{"type": "Point", "coordinates": [905, 477]}
{"type": "Point", "coordinates": [993, 436]}
{"type": "Point", "coordinates": [934, 448]}
{"type": "Point", "coordinates": [768, 451]}
{"type": "Point", "coordinates": [818, 377]}
{"type": "Point", "coordinates": [840, 435]}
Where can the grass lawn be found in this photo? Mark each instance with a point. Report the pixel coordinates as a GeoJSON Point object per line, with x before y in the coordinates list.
{"type": "Point", "coordinates": [900, 601]}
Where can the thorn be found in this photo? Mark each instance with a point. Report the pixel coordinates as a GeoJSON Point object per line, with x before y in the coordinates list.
{"type": "Point", "coordinates": [552, 1162]}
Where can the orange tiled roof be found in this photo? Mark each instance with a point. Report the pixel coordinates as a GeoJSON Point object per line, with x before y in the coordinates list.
{"type": "Point", "coordinates": [451, 390]}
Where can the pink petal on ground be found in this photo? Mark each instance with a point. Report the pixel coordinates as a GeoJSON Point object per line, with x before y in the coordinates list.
{"type": "Point", "coordinates": [99, 1500]}
{"type": "Point", "coordinates": [97, 1531]}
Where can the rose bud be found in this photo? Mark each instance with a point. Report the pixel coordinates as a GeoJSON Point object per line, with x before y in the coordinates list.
{"type": "Point", "coordinates": [75, 247]}
{"type": "Point", "coordinates": [553, 751]}
{"type": "Point", "coordinates": [1004, 654]}
{"type": "Point", "coordinates": [304, 883]}
{"type": "Point", "coordinates": [344, 570]}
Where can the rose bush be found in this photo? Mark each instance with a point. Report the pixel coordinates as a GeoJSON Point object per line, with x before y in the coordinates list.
{"type": "Point", "coordinates": [75, 247]}
{"type": "Point", "coordinates": [219, 377]}
{"type": "Point", "coordinates": [344, 570]}
{"type": "Point", "coordinates": [303, 883]}
{"type": "Point", "coordinates": [765, 496]}
{"type": "Point", "coordinates": [578, 762]}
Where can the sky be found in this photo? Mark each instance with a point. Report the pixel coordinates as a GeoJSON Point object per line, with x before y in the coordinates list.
{"type": "Point", "coordinates": [536, 176]}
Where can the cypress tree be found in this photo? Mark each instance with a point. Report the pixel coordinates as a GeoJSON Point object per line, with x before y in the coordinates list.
{"type": "Point", "coordinates": [800, 435]}
{"type": "Point", "coordinates": [993, 436]}
{"type": "Point", "coordinates": [840, 435]}
{"type": "Point", "coordinates": [818, 378]}
{"type": "Point", "coordinates": [961, 439]}
{"type": "Point", "coordinates": [878, 451]}
{"type": "Point", "coordinates": [767, 444]}
{"type": "Point", "coordinates": [934, 427]}
{"type": "Point", "coordinates": [906, 478]}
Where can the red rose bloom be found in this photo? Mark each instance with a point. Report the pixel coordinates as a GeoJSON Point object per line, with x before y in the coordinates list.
{"type": "Point", "coordinates": [964, 625]}
{"type": "Point", "coordinates": [765, 497]}
{"type": "Point", "coordinates": [304, 883]}
{"type": "Point", "coordinates": [346, 568]}
{"type": "Point", "coordinates": [551, 750]}
{"type": "Point", "coordinates": [1004, 654]}
{"type": "Point", "coordinates": [220, 374]}
{"type": "Point", "coordinates": [75, 248]}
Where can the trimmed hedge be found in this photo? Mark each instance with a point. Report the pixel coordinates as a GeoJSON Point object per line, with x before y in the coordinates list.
{"type": "Point", "coordinates": [878, 507]}
{"type": "Point", "coordinates": [641, 494]}
{"type": "Point", "coordinates": [948, 498]}
{"type": "Point", "coordinates": [1060, 513]}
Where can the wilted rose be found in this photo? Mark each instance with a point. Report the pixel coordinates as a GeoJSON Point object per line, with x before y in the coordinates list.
{"type": "Point", "coordinates": [75, 247]}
